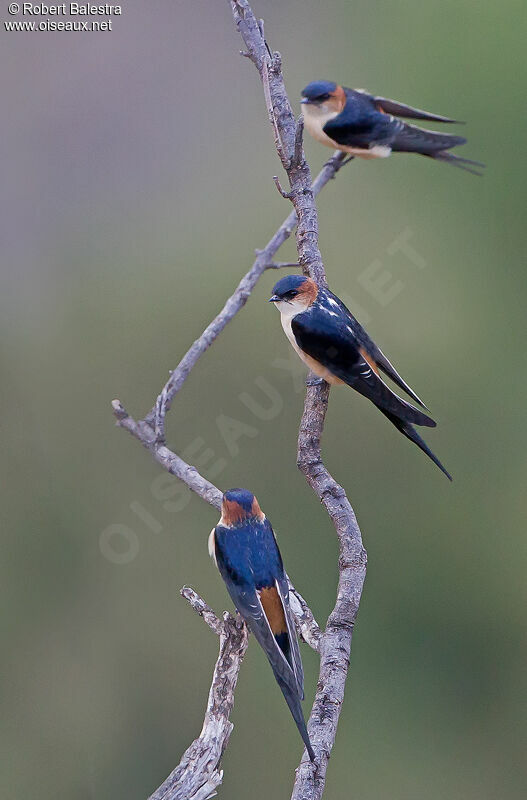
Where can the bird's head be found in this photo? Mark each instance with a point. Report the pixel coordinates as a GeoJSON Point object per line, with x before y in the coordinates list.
{"type": "Point", "coordinates": [323, 97]}
{"type": "Point", "coordinates": [239, 505]}
{"type": "Point", "coordinates": [294, 294]}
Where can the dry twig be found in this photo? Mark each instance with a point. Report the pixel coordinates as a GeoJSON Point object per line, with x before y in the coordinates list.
{"type": "Point", "coordinates": [198, 774]}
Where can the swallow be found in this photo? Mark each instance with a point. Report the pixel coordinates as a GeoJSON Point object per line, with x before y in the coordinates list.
{"type": "Point", "coordinates": [367, 126]}
{"type": "Point", "coordinates": [331, 342]}
{"type": "Point", "coordinates": [244, 548]}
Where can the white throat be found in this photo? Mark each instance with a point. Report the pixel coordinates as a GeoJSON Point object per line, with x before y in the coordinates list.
{"type": "Point", "coordinates": [322, 112]}
{"type": "Point", "coordinates": [287, 312]}
{"type": "Point", "coordinates": [315, 117]}
{"type": "Point", "coordinates": [290, 309]}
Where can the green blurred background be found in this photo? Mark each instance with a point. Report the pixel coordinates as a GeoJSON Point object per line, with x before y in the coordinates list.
{"type": "Point", "coordinates": [136, 183]}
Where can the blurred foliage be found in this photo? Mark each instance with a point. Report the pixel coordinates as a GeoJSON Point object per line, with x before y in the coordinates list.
{"type": "Point", "coordinates": [136, 186]}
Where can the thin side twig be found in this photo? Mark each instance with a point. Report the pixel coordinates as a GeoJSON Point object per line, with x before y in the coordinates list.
{"type": "Point", "coordinates": [306, 623]}
{"type": "Point", "coordinates": [198, 774]}
{"type": "Point", "coordinates": [167, 458]}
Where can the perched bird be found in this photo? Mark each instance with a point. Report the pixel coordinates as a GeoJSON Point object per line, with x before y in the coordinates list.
{"type": "Point", "coordinates": [367, 126]}
{"type": "Point", "coordinates": [244, 548]}
{"type": "Point", "coordinates": [328, 338]}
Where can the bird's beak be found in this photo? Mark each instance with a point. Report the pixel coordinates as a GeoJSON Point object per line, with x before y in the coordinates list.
{"type": "Point", "coordinates": [305, 101]}
{"type": "Point", "coordinates": [274, 299]}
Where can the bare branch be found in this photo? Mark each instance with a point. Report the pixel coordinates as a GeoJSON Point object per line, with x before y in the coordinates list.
{"type": "Point", "coordinates": [270, 110]}
{"type": "Point", "coordinates": [198, 774]}
{"type": "Point", "coordinates": [299, 139]}
{"type": "Point", "coordinates": [281, 190]}
{"type": "Point", "coordinates": [335, 642]}
{"type": "Point", "coordinates": [168, 460]}
{"type": "Point", "coordinates": [296, 167]}
{"type": "Point", "coordinates": [282, 264]}
{"type": "Point", "coordinates": [305, 621]}
{"type": "Point", "coordinates": [200, 607]}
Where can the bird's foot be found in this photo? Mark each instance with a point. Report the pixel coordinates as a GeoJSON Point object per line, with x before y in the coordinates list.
{"type": "Point", "coordinates": [314, 381]}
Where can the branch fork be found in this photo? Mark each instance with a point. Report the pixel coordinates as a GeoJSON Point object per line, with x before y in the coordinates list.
{"type": "Point", "coordinates": [198, 775]}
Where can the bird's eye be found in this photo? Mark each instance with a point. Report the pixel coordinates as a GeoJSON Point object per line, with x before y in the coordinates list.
{"type": "Point", "coordinates": [289, 295]}
{"type": "Point", "coordinates": [322, 97]}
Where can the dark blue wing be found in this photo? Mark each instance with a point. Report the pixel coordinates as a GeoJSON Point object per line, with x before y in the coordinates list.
{"type": "Point", "coordinates": [409, 112]}
{"type": "Point", "coordinates": [411, 139]}
{"type": "Point", "coordinates": [331, 340]}
{"type": "Point", "coordinates": [251, 566]}
{"type": "Point", "coordinates": [360, 124]}
{"type": "Point", "coordinates": [344, 131]}
{"type": "Point", "coordinates": [268, 616]}
{"type": "Point", "coordinates": [368, 345]}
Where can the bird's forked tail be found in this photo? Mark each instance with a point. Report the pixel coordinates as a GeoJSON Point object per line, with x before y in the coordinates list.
{"type": "Point", "coordinates": [457, 161]}
{"type": "Point", "coordinates": [409, 431]}
{"type": "Point", "coordinates": [293, 701]}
